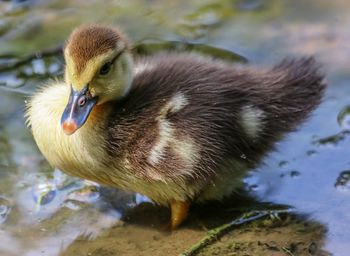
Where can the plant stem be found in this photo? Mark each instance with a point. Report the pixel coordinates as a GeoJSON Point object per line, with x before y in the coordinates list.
{"type": "Point", "coordinates": [214, 234]}
{"type": "Point", "coordinates": [13, 63]}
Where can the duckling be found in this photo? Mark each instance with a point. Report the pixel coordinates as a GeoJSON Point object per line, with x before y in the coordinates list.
{"type": "Point", "coordinates": [178, 128]}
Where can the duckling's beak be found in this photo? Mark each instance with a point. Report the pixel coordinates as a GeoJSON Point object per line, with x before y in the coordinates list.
{"type": "Point", "coordinates": [77, 110]}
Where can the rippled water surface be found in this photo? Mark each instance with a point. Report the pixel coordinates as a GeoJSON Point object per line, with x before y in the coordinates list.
{"type": "Point", "coordinates": [44, 212]}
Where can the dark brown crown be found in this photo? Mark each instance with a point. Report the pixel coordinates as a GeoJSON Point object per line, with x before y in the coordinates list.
{"type": "Point", "coordinates": [87, 42]}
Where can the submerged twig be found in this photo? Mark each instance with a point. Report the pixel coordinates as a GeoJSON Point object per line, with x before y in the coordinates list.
{"type": "Point", "coordinates": [152, 47]}
{"type": "Point", "coordinates": [214, 234]}
{"type": "Point", "coordinates": [333, 139]}
{"type": "Point", "coordinates": [11, 64]}
{"type": "Point", "coordinates": [142, 48]}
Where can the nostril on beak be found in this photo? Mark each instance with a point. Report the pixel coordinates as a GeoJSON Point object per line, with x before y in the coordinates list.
{"type": "Point", "coordinates": [69, 127]}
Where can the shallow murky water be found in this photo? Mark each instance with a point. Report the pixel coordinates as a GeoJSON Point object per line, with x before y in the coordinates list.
{"type": "Point", "coordinates": [44, 212]}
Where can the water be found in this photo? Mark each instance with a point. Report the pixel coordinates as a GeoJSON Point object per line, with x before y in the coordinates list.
{"type": "Point", "coordinates": [44, 212]}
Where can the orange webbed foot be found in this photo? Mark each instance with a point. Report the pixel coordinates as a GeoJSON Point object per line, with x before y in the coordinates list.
{"type": "Point", "coordinates": [179, 212]}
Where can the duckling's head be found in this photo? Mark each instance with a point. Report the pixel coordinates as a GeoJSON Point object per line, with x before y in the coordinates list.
{"type": "Point", "coordinates": [98, 70]}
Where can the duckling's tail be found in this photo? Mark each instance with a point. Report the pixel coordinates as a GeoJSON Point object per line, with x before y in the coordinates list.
{"type": "Point", "coordinates": [298, 89]}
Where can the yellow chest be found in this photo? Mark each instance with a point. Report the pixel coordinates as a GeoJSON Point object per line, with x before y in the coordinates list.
{"type": "Point", "coordinates": [80, 154]}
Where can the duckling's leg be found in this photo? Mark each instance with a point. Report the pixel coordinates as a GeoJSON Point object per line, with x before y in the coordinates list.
{"type": "Point", "coordinates": [179, 212]}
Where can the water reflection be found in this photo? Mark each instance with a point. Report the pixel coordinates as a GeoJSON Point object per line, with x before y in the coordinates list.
{"type": "Point", "coordinates": [5, 208]}
{"type": "Point", "coordinates": [313, 191]}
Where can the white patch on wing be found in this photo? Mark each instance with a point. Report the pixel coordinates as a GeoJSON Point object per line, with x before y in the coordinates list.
{"type": "Point", "coordinates": [187, 150]}
{"type": "Point", "coordinates": [177, 102]}
{"type": "Point", "coordinates": [251, 118]}
{"type": "Point", "coordinates": [166, 137]}
{"type": "Point", "coordinates": [166, 132]}
{"type": "Point", "coordinates": [142, 67]}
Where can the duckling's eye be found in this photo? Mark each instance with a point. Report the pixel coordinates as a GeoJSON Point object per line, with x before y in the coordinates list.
{"type": "Point", "coordinates": [105, 68]}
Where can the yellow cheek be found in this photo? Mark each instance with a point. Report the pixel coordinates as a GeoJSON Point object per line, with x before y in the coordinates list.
{"type": "Point", "coordinates": [98, 90]}
{"type": "Point", "coordinates": [93, 92]}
